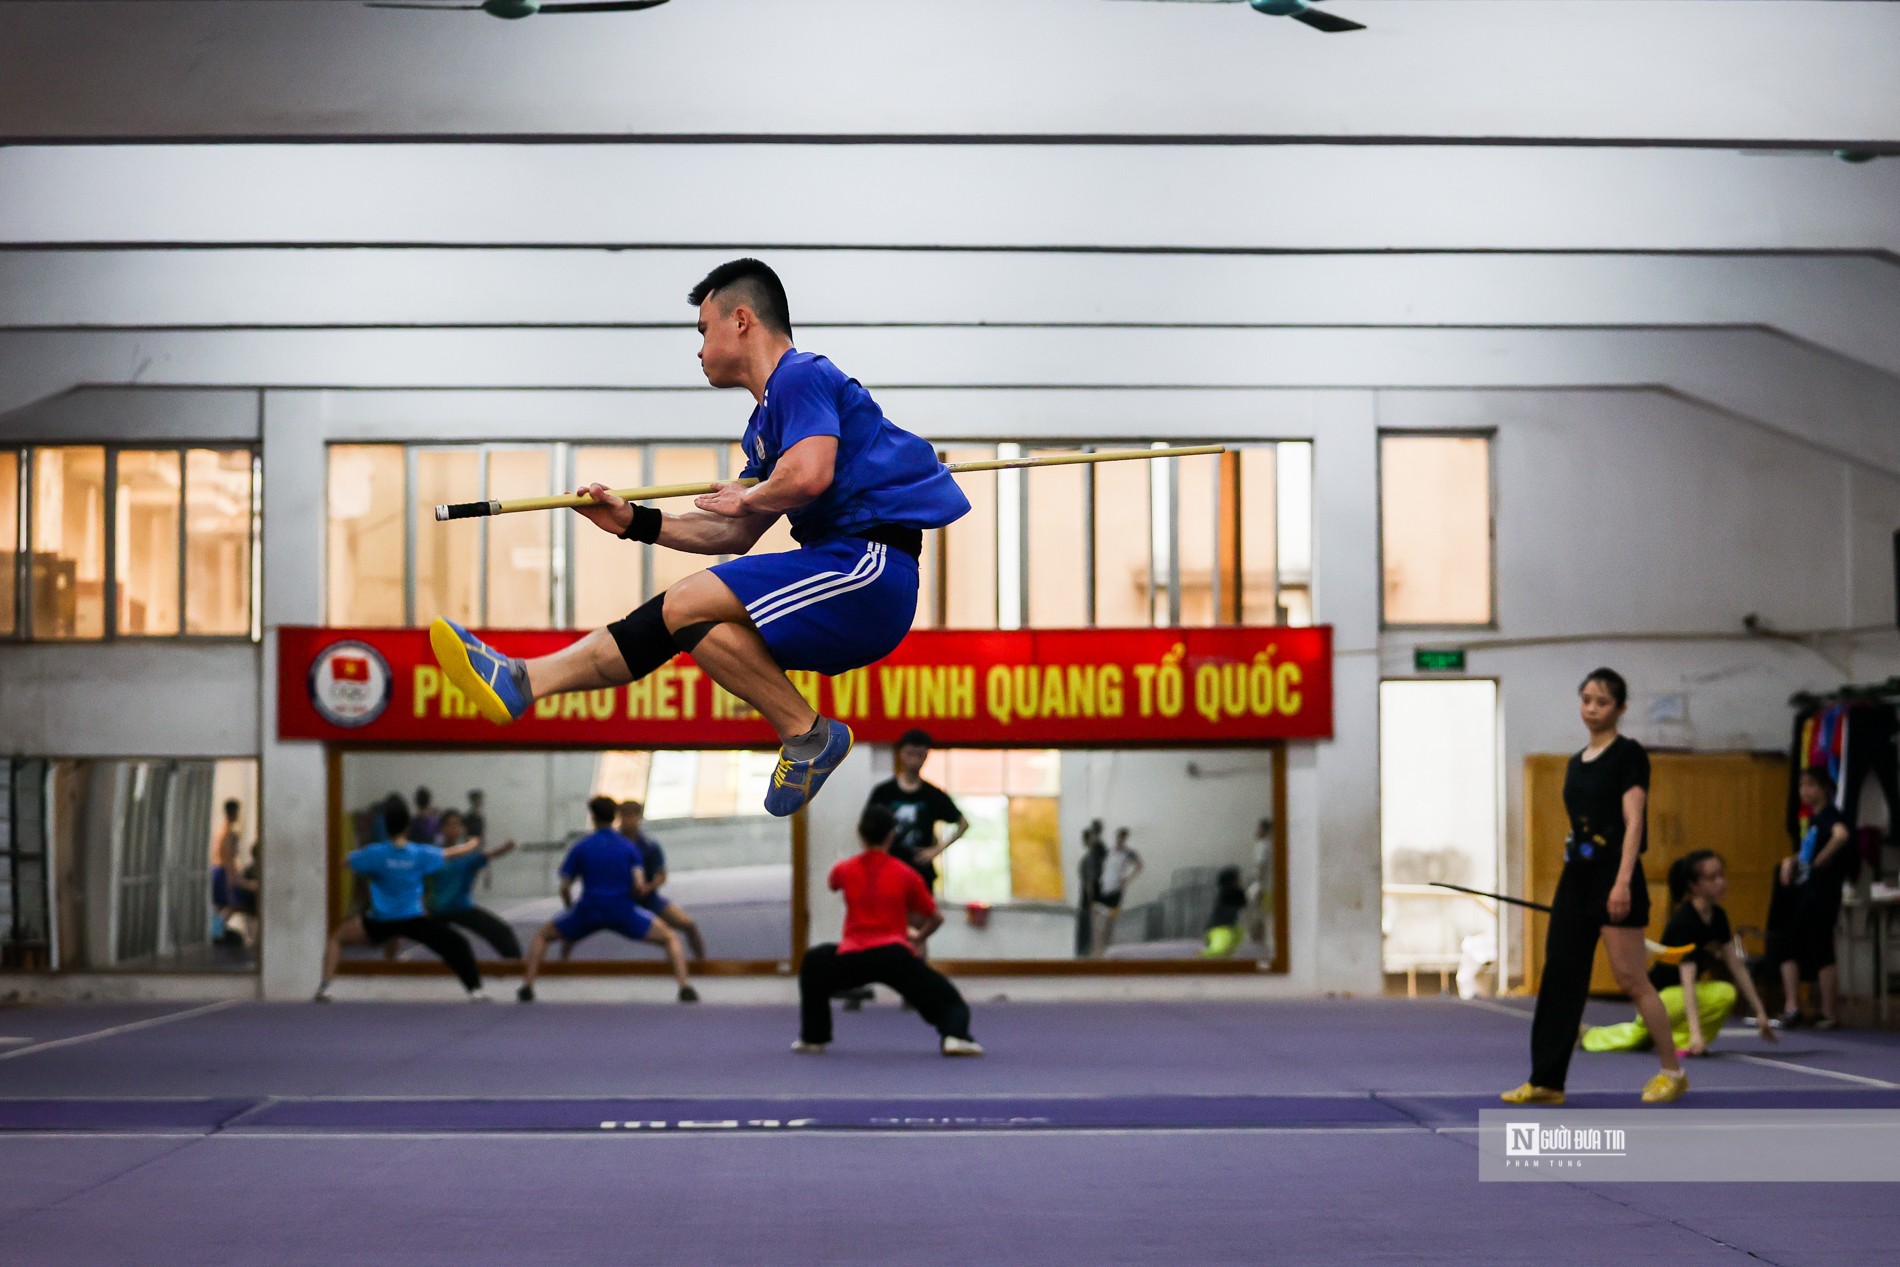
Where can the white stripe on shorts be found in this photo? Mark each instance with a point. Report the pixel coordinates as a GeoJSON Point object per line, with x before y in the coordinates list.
{"type": "Point", "coordinates": [788, 594]}
{"type": "Point", "coordinates": [853, 582]}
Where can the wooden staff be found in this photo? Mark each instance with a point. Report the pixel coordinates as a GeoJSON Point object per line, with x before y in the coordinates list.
{"type": "Point", "coordinates": [1662, 953]}
{"type": "Point", "coordinates": [569, 501]}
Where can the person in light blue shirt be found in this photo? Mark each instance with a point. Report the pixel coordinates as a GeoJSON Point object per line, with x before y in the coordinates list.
{"type": "Point", "coordinates": [396, 871]}
{"type": "Point", "coordinates": [450, 892]}
{"type": "Point", "coordinates": [859, 492]}
{"type": "Point", "coordinates": [607, 867]}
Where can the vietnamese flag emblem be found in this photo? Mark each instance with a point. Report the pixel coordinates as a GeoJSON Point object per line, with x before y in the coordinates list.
{"type": "Point", "coordinates": [350, 668]}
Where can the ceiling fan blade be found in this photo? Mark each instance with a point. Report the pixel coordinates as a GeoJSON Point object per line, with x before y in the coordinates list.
{"type": "Point", "coordinates": [601, 6]}
{"type": "Point", "coordinates": [1329, 22]}
{"type": "Point", "coordinates": [400, 4]}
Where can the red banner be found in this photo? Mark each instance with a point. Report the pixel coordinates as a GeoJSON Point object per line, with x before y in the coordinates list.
{"type": "Point", "coordinates": [1074, 688]}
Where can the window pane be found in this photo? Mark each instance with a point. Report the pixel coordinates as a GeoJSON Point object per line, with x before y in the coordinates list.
{"type": "Point", "coordinates": [1057, 546]}
{"type": "Point", "coordinates": [970, 550]}
{"type": "Point", "coordinates": [365, 541]}
{"type": "Point", "coordinates": [1257, 547]}
{"type": "Point", "coordinates": [448, 555]}
{"type": "Point", "coordinates": [1294, 462]}
{"type": "Point", "coordinates": [680, 464]}
{"type": "Point", "coordinates": [9, 535]}
{"type": "Point", "coordinates": [68, 569]}
{"type": "Point", "coordinates": [1197, 495]}
{"type": "Point", "coordinates": [521, 547]}
{"type": "Point", "coordinates": [1124, 566]}
{"type": "Point", "coordinates": [218, 511]}
{"type": "Point", "coordinates": [608, 573]}
{"type": "Point", "coordinates": [1435, 507]}
{"type": "Point", "coordinates": [147, 561]}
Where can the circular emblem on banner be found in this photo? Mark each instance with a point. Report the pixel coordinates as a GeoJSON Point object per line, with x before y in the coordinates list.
{"type": "Point", "coordinates": [350, 683]}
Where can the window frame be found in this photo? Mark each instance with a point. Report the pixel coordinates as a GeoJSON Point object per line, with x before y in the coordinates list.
{"type": "Point", "coordinates": [1489, 436]}
{"type": "Point", "coordinates": [27, 455]}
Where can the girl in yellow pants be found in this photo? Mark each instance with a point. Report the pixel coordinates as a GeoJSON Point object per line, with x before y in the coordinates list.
{"type": "Point", "coordinates": [1697, 883]}
{"type": "Point", "coordinates": [1714, 1000]}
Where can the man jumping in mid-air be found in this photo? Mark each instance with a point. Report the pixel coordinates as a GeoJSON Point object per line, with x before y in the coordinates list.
{"type": "Point", "coordinates": [859, 491]}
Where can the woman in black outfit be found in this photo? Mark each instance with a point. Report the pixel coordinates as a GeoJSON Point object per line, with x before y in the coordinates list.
{"type": "Point", "coordinates": [1600, 892]}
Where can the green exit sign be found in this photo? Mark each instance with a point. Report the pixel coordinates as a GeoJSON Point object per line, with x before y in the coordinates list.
{"type": "Point", "coordinates": [1438, 659]}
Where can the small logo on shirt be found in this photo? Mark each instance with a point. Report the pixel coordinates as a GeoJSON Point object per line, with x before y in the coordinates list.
{"type": "Point", "coordinates": [350, 684]}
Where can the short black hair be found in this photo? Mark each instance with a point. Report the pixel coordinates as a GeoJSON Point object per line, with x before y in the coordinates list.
{"type": "Point", "coordinates": [447, 814]}
{"type": "Point", "coordinates": [423, 798]}
{"type": "Point", "coordinates": [754, 284]}
{"type": "Point", "coordinates": [1822, 779]}
{"type": "Point", "coordinates": [604, 810]}
{"type": "Point", "coordinates": [877, 823]}
{"type": "Point", "coordinates": [633, 807]}
{"type": "Point", "coordinates": [395, 818]}
{"type": "Point", "coordinates": [1611, 681]}
{"type": "Point", "coordinates": [915, 738]}
{"type": "Point", "coordinates": [231, 808]}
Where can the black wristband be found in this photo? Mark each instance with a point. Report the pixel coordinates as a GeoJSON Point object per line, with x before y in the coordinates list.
{"type": "Point", "coordinates": [645, 525]}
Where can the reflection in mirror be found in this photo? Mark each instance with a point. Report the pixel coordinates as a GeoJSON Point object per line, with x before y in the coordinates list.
{"type": "Point", "coordinates": [1098, 853]}
{"type": "Point", "coordinates": [723, 865]}
{"type": "Point", "coordinates": [152, 864]}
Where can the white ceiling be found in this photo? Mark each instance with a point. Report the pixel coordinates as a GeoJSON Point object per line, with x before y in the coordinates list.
{"type": "Point", "coordinates": [1796, 72]}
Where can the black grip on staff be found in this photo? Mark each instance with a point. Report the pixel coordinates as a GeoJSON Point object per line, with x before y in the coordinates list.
{"type": "Point", "coordinates": [467, 510]}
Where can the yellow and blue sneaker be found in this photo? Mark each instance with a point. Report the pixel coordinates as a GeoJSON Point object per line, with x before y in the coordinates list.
{"type": "Point", "coordinates": [795, 782]}
{"type": "Point", "coordinates": [494, 683]}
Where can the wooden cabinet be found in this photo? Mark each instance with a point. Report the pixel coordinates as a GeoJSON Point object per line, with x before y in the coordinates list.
{"type": "Point", "coordinates": [1731, 802]}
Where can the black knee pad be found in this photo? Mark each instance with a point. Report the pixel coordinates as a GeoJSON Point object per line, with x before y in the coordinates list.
{"type": "Point", "coordinates": [645, 642]}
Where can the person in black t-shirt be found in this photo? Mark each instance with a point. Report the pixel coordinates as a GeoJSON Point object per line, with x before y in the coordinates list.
{"type": "Point", "coordinates": [1697, 1000]}
{"type": "Point", "coordinates": [920, 808]}
{"type": "Point", "coordinates": [1601, 892]}
{"type": "Point", "coordinates": [1807, 905]}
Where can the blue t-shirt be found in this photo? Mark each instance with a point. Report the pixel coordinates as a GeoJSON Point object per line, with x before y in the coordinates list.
{"type": "Point", "coordinates": [604, 863]}
{"type": "Point", "coordinates": [883, 474]}
{"type": "Point", "coordinates": [652, 857]}
{"type": "Point", "coordinates": [453, 887]}
{"type": "Point", "coordinates": [395, 877]}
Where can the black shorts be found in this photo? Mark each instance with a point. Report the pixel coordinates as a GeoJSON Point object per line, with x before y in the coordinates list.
{"type": "Point", "coordinates": [1112, 901]}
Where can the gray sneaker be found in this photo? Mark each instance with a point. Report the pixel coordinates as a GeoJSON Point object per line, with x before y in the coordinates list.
{"type": "Point", "coordinates": [961, 1047]}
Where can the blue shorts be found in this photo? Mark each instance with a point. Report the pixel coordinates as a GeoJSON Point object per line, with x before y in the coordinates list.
{"type": "Point", "coordinates": [832, 607]}
{"type": "Point", "coordinates": [587, 918]}
{"type": "Point", "coordinates": [652, 902]}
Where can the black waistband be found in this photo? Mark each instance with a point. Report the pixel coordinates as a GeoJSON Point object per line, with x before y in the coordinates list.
{"type": "Point", "coordinates": [909, 540]}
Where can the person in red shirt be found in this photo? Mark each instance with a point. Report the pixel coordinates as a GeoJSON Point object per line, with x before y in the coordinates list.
{"type": "Point", "coordinates": [888, 913]}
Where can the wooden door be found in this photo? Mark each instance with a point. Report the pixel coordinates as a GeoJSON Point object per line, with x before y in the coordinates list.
{"type": "Point", "coordinates": [1731, 802]}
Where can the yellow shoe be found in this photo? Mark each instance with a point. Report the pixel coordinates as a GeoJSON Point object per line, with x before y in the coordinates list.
{"type": "Point", "coordinates": [1665, 1086]}
{"type": "Point", "coordinates": [1528, 1094]}
{"type": "Point", "coordinates": [478, 671]}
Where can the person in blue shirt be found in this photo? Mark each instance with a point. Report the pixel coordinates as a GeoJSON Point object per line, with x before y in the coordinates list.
{"type": "Point", "coordinates": [653, 862]}
{"type": "Point", "coordinates": [450, 893]}
{"type": "Point", "coordinates": [396, 871]}
{"type": "Point", "coordinates": [607, 866]}
{"type": "Point", "coordinates": [859, 491]}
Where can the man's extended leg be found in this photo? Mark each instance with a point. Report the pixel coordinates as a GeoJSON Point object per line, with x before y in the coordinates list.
{"type": "Point", "coordinates": [350, 930]}
{"type": "Point", "coordinates": [488, 926]}
{"type": "Point", "coordinates": [450, 946]}
{"type": "Point", "coordinates": [818, 980]}
{"type": "Point", "coordinates": [688, 928]}
{"type": "Point", "coordinates": [537, 950]}
{"type": "Point", "coordinates": [663, 937]}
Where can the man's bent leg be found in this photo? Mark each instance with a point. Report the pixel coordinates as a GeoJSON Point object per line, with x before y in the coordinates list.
{"type": "Point", "coordinates": [688, 928]}
{"type": "Point", "coordinates": [924, 988]}
{"type": "Point", "coordinates": [816, 984]}
{"type": "Point", "coordinates": [733, 653]}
